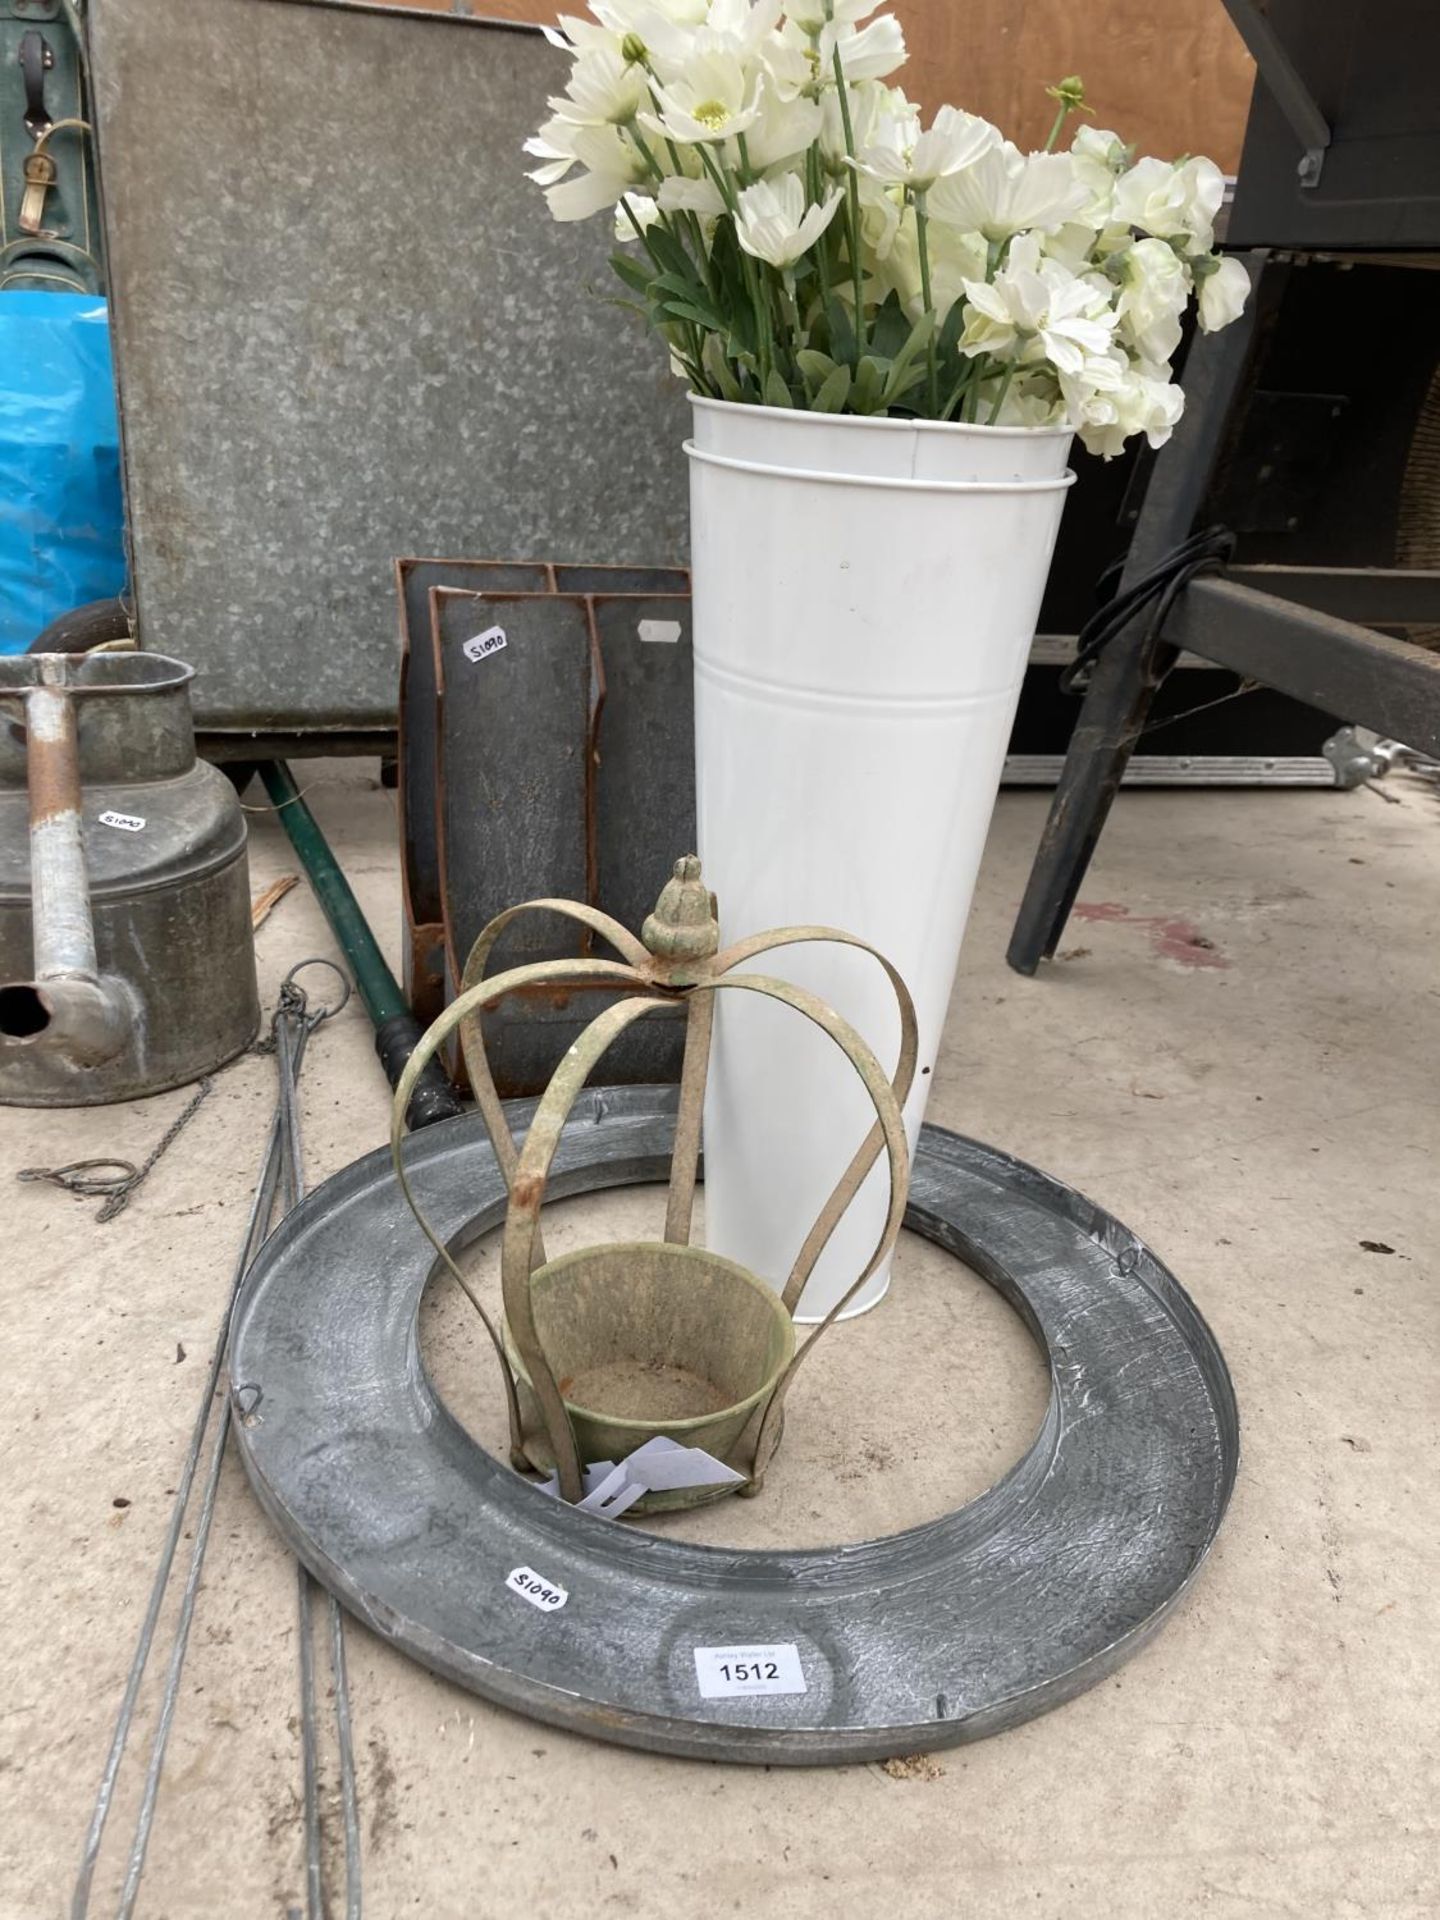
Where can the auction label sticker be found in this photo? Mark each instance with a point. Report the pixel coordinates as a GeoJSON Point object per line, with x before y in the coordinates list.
{"type": "Point", "coordinates": [484, 644]}
{"type": "Point", "coordinates": [729, 1673]}
{"type": "Point", "coordinates": [541, 1593]}
{"type": "Point", "coordinates": [128, 822]}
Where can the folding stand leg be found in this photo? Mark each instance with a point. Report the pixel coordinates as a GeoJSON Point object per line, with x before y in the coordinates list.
{"type": "Point", "coordinates": [1130, 669]}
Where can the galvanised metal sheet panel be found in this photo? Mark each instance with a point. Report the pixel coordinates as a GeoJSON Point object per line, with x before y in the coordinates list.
{"type": "Point", "coordinates": [347, 329]}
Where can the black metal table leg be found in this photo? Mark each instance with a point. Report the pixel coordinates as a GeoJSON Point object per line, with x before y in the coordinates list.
{"type": "Point", "coordinates": [1126, 675]}
{"type": "Point", "coordinates": [1111, 720]}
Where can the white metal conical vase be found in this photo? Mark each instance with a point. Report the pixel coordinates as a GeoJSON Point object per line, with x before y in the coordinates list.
{"type": "Point", "coordinates": [865, 594]}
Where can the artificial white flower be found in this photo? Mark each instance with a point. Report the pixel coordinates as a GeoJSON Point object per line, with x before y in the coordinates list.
{"type": "Point", "coordinates": [1153, 291]}
{"type": "Point", "coordinates": [733, 29]}
{"type": "Point", "coordinates": [613, 167]}
{"type": "Point", "coordinates": [678, 193]}
{"type": "Point", "coordinates": [1074, 245]}
{"type": "Point", "coordinates": [745, 22]}
{"type": "Point", "coordinates": [582, 36]}
{"type": "Point", "coordinates": [866, 53]}
{"type": "Point", "coordinates": [1065, 275]}
{"type": "Point", "coordinates": [880, 116]}
{"type": "Point", "coordinates": [604, 89]}
{"type": "Point", "coordinates": [879, 226]}
{"type": "Point", "coordinates": [1034, 309]}
{"type": "Point", "coordinates": [811, 16]}
{"type": "Point", "coordinates": [955, 258]}
{"type": "Point", "coordinates": [716, 98]}
{"type": "Point", "coordinates": [1169, 200]}
{"type": "Point", "coordinates": [635, 210]}
{"type": "Point", "coordinates": [1100, 147]}
{"type": "Point", "coordinates": [623, 17]}
{"type": "Point", "coordinates": [553, 145]}
{"type": "Point", "coordinates": [783, 131]}
{"type": "Point", "coordinates": [1028, 403]}
{"type": "Point", "coordinates": [1098, 158]}
{"type": "Point", "coordinates": [1005, 191]}
{"type": "Point", "coordinates": [773, 223]}
{"type": "Point", "coordinates": [1112, 400]}
{"type": "Point", "coordinates": [952, 141]}
{"type": "Point", "coordinates": [1223, 292]}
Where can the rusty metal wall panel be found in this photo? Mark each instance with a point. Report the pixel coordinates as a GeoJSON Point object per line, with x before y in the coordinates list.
{"type": "Point", "coordinates": [424, 910]}
{"type": "Point", "coordinates": [513, 766]}
{"type": "Point", "coordinates": [346, 329]}
{"type": "Point", "coordinates": [645, 751]}
{"type": "Point", "coordinates": [551, 787]}
{"type": "Point", "coordinates": [421, 902]}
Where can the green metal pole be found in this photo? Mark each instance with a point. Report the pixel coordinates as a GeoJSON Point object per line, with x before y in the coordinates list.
{"type": "Point", "coordinates": [397, 1031]}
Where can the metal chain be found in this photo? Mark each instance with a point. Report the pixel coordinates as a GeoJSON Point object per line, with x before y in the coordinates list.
{"type": "Point", "coordinates": [84, 1179]}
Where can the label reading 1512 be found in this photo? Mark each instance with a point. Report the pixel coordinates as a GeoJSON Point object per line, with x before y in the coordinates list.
{"type": "Point", "coordinates": [541, 1593]}
{"type": "Point", "coordinates": [727, 1673]}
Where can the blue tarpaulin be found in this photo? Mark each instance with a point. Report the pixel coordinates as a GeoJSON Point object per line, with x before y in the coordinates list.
{"type": "Point", "coordinates": [61, 516]}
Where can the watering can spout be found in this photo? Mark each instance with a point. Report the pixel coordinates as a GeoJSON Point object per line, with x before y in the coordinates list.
{"type": "Point", "coordinates": [68, 1008]}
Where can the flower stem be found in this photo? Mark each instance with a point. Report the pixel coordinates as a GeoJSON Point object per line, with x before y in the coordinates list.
{"type": "Point", "coordinates": [693, 360]}
{"type": "Point", "coordinates": [857, 271]}
{"type": "Point", "coordinates": [923, 241]}
{"type": "Point", "coordinates": [962, 386]}
{"type": "Point", "coordinates": [1000, 396]}
{"type": "Point", "coordinates": [719, 176]}
{"type": "Point", "coordinates": [656, 170]}
{"type": "Point", "coordinates": [1057, 128]}
{"type": "Point", "coordinates": [814, 196]}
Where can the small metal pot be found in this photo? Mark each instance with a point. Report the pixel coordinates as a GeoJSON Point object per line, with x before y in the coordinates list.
{"type": "Point", "coordinates": [603, 1314]}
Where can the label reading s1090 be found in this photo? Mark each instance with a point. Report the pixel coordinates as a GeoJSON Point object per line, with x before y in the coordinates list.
{"type": "Point", "coordinates": [728, 1673]}
{"type": "Point", "coordinates": [484, 644]}
{"type": "Point", "coordinates": [543, 1594]}
{"type": "Point", "coordinates": [128, 822]}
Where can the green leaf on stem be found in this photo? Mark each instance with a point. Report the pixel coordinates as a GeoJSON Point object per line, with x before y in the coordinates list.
{"type": "Point", "coordinates": [668, 251]}
{"type": "Point", "coordinates": [951, 329]}
{"type": "Point", "coordinates": [815, 366]}
{"type": "Point", "coordinates": [777, 394]}
{"type": "Point", "coordinates": [683, 310]}
{"type": "Point", "coordinates": [891, 328]}
{"type": "Point", "coordinates": [841, 331]}
{"type": "Point", "coordinates": [905, 373]}
{"type": "Point", "coordinates": [869, 392]}
{"type": "Point", "coordinates": [718, 368]}
{"type": "Point", "coordinates": [834, 392]}
{"type": "Point", "coordinates": [636, 274]}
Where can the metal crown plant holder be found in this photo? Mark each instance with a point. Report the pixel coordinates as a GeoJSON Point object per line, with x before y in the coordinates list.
{"type": "Point", "coordinates": [611, 1346]}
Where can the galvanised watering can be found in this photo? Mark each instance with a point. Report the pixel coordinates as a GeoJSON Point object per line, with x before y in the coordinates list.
{"type": "Point", "coordinates": [127, 962]}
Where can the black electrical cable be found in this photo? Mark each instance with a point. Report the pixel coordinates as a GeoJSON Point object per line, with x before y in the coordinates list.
{"type": "Point", "coordinates": [1204, 552]}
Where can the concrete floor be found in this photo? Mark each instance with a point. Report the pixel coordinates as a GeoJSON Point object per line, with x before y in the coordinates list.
{"type": "Point", "coordinates": [1236, 1053]}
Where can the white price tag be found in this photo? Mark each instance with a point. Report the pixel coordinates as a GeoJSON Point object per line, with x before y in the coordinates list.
{"type": "Point", "coordinates": [543, 1594]}
{"type": "Point", "coordinates": [662, 632]}
{"type": "Point", "coordinates": [484, 644]}
{"type": "Point", "coordinates": [727, 1673]}
{"type": "Point", "coordinates": [129, 822]}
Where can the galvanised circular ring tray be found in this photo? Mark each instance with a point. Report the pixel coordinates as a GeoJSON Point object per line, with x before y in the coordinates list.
{"type": "Point", "coordinates": [947, 1632]}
